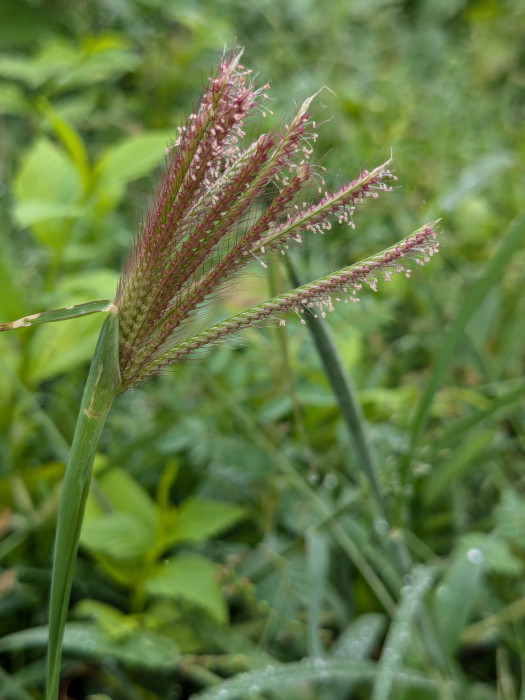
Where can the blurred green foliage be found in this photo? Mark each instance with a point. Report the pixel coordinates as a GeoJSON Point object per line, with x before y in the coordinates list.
{"type": "Point", "coordinates": [267, 547]}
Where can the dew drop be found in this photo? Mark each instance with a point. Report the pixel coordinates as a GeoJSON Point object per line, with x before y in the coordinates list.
{"type": "Point", "coordinates": [475, 555]}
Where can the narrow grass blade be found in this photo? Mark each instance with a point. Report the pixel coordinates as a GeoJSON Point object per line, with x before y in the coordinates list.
{"type": "Point", "coordinates": [344, 391]}
{"type": "Point", "coordinates": [456, 595]}
{"type": "Point", "coordinates": [358, 640]}
{"type": "Point", "coordinates": [461, 427]}
{"type": "Point", "coordinates": [11, 688]}
{"type": "Point", "coordinates": [90, 307]}
{"type": "Point", "coordinates": [317, 552]}
{"type": "Point", "coordinates": [398, 637]}
{"type": "Point", "coordinates": [247, 685]}
{"type": "Point", "coordinates": [455, 465]}
{"type": "Point", "coordinates": [473, 298]}
{"type": "Point", "coordinates": [101, 388]}
{"type": "Point", "coordinates": [326, 516]}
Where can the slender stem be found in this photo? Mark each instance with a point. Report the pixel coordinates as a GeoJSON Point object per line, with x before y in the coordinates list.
{"type": "Point", "coordinates": [343, 388]}
{"type": "Point", "coordinates": [101, 388]}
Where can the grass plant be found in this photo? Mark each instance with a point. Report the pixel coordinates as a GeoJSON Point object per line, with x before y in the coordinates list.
{"type": "Point", "coordinates": [222, 203]}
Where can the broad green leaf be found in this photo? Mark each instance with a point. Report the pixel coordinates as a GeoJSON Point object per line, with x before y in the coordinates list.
{"type": "Point", "coordinates": [126, 495]}
{"type": "Point", "coordinates": [49, 178]}
{"type": "Point", "coordinates": [47, 174]}
{"type": "Point", "coordinates": [121, 521]}
{"type": "Point", "coordinates": [99, 64]}
{"type": "Point", "coordinates": [70, 138]}
{"type": "Point", "coordinates": [115, 623]}
{"type": "Point", "coordinates": [33, 211]}
{"type": "Point", "coordinates": [13, 100]}
{"type": "Point", "coordinates": [120, 536]}
{"type": "Point", "coordinates": [59, 347]}
{"type": "Point", "coordinates": [71, 65]}
{"type": "Point", "coordinates": [192, 579]}
{"type": "Point", "coordinates": [199, 519]}
{"type": "Point", "coordinates": [99, 283]}
{"type": "Point", "coordinates": [12, 301]}
{"type": "Point", "coordinates": [34, 482]}
{"type": "Point", "coordinates": [148, 650]}
{"type": "Point", "coordinates": [18, 68]}
{"type": "Point", "coordinates": [133, 158]}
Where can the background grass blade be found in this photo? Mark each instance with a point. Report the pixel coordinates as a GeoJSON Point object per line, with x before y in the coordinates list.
{"type": "Point", "coordinates": [398, 637]}
{"type": "Point", "coordinates": [344, 390]}
{"type": "Point", "coordinates": [314, 670]}
{"type": "Point", "coordinates": [473, 298]}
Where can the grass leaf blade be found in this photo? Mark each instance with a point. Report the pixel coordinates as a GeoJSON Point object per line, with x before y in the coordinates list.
{"type": "Point", "coordinates": [90, 307]}
{"type": "Point", "coordinates": [489, 277]}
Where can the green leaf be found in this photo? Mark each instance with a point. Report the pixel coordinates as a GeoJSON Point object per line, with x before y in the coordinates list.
{"type": "Point", "coordinates": [91, 307]}
{"type": "Point", "coordinates": [32, 211]}
{"type": "Point", "coordinates": [509, 517]}
{"type": "Point", "coordinates": [456, 464]}
{"type": "Point", "coordinates": [398, 637]}
{"type": "Point", "coordinates": [13, 100]}
{"type": "Point", "coordinates": [47, 179]}
{"type": "Point", "coordinates": [358, 640]}
{"type": "Point", "coordinates": [318, 558]}
{"type": "Point", "coordinates": [456, 595]}
{"type": "Point", "coordinates": [19, 68]}
{"type": "Point", "coordinates": [120, 536]}
{"type": "Point", "coordinates": [12, 301]}
{"type": "Point", "coordinates": [99, 63]}
{"type": "Point", "coordinates": [490, 276]}
{"type": "Point", "coordinates": [11, 687]}
{"type": "Point", "coordinates": [199, 519]}
{"type": "Point", "coordinates": [127, 496]}
{"type": "Point", "coordinates": [122, 523]}
{"type": "Point", "coordinates": [112, 621]}
{"type": "Point", "coordinates": [292, 675]}
{"type": "Point", "coordinates": [148, 650]}
{"type": "Point", "coordinates": [497, 555]}
{"type": "Point", "coordinates": [70, 138]}
{"type": "Point", "coordinates": [58, 348]}
{"type": "Point", "coordinates": [190, 578]}
{"type": "Point", "coordinates": [133, 158]}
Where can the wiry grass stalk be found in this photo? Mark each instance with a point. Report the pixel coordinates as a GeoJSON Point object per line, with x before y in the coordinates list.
{"type": "Point", "coordinates": [101, 388]}
{"type": "Point", "coordinates": [344, 390]}
{"type": "Point", "coordinates": [210, 217]}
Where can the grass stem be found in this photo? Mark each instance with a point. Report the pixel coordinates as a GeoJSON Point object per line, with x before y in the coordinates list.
{"type": "Point", "coordinates": [101, 388]}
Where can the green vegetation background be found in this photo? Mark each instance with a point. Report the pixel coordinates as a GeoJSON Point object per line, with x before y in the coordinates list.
{"type": "Point", "coordinates": [231, 533]}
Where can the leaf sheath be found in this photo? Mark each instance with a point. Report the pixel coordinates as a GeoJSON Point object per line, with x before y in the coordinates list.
{"type": "Point", "coordinates": [101, 388]}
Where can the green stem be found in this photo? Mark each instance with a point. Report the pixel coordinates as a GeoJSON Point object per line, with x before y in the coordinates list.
{"type": "Point", "coordinates": [101, 388]}
{"type": "Point", "coordinates": [344, 390]}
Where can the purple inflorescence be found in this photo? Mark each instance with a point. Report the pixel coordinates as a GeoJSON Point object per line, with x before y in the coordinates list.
{"type": "Point", "coordinates": [210, 217]}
